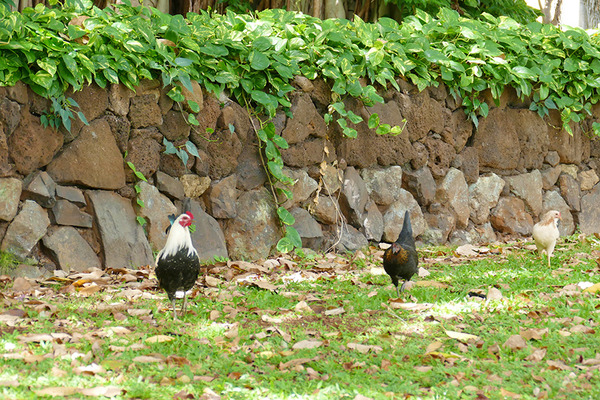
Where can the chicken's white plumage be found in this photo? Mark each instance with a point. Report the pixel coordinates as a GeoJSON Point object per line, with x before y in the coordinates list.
{"type": "Point", "coordinates": [545, 233]}
{"type": "Point", "coordinates": [179, 237]}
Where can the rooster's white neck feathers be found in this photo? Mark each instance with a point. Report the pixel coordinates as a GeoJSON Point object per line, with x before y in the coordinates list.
{"type": "Point", "coordinates": [179, 238]}
{"type": "Point", "coordinates": [550, 218]}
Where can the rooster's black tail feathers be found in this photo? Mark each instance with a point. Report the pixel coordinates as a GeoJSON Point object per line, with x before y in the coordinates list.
{"type": "Point", "coordinates": [406, 234]}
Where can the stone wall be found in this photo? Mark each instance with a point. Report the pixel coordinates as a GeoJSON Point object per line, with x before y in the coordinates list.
{"type": "Point", "coordinates": [68, 199]}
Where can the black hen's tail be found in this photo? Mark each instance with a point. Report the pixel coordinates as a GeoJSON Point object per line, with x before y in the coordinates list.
{"type": "Point", "coordinates": [406, 235]}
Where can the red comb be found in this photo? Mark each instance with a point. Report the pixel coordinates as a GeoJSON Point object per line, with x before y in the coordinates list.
{"type": "Point", "coordinates": [189, 214]}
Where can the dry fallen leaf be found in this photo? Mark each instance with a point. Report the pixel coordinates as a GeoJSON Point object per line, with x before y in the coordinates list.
{"type": "Point", "coordinates": [335, 311]}
{"type": "Point", "coordinates": [307, 344]}
{"type": "Point", "coordinates": [89, 290]}
{"type": "Point", "coordinates": [537, 355]}
{"type": "Point", "coordinates": [211, 281]}
{"type": "Point", "coordinates": [302, 307]}
{"type": "Point", "coordinates": [363, 348]}
{"type": "Point", "coordinates": [494, 294]}
{"type": "Point", "coordinates": [159, 339]}
{"type": "Point", "coordinates": [534, 333]}
{"type": "Point", "coordinates": [466, 250]}
{"type": "Point", "coordinates": [463, 337]}
{"type": "Point", "coordinates": [147, 359]}
{"type": "Point", "coordinates": [582, 329]}
{"type": "Point", "coordinates": [433, 346]}
{"type": "Point", "coordinates": [515, 342]}
{"type": "Point", "coordinates": [555, 365]}
{"type": "Point", "coordinates": [21, 285]}
{"type": "Point", "coordinates": [294, 362]}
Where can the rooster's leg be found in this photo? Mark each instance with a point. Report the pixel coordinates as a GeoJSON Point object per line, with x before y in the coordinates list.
{"type": "Point", "coordinates": [402, 287]}
{"type": "Point", "coordinates": [174, 311]}
{"type": "Point", "coordinates": [184, 303]}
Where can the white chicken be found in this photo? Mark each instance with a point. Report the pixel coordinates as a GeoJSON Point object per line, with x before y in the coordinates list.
{"type": "Point", "coordinates": [545, 233]}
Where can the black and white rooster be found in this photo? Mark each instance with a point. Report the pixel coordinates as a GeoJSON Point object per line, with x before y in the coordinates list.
{"type": "Point", "coordinates": [177, 264]}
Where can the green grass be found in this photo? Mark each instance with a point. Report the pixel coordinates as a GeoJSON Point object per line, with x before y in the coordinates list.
{"type": "Point", "coordinates": [375, 347]}
{"type": "Point", "coordinates": [8, 262]}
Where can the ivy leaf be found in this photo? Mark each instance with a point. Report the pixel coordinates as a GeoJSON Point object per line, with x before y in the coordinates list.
{"type": "Point", "coordinates": [135, 47]}
{"type": "Point", "coordinates": [396, 130]}
{"type": "Point", "coordinates": [183, 62]}
{"type": "Point", "coordinates": [276, 171]}
{"type": "Point", "coordinates": [192, 149]}
{"type": "Point", "coordinates": [175, 94]}
{"type": "Point", "coordinates": [285, 216]}
{"type": "Point", "coordinates": [82, 118]}
{"type": "Point", "coordinates": [183, 156]}
{"type": "Point", "coordinates": [373, 121]}
{"type": "Point", "coordinates": [383, 129]}
{"type": "Point", "coordinates": [339, 108]}
{"type": "Point", "coordinates": [355, 119]}
{"type": "Point", "coordinates": [214, 50]}
{"type": "Point", "coordinates": [270, 130]}
{"type": "Point", "coordinates": [271, 151]}
{"type": "Point", "coordinates": [259, 61]}
{"type": "Point", "coordinates": [66, 123]}
{"type": "Point", "coordinates": [260, 97]}
{"type": "Point", "coordinates": [287, 193]}
{"type": "Point", "coordinates": [292, 234]}
{"type": "Point", "coordinates": [350, 132]}
{"type": "Point", "coordinates": [185, 79]}
{"type": "Point", "coordinates": [193, 120]}
{"type": "Point", "coordinates": [281, 142]}
{"type": "Point", "coordinates": [111, 75]}
{"type": "Point", "coordinates": [284, 245]}
{"type": "Point", "coordinates": [524, 72]}
{"type": "Point", "coordinates": [194, 106]}
{"type": "Point", "coordinates": [170, 147]}
{"type": "Point", "coordinates": [262, 135]}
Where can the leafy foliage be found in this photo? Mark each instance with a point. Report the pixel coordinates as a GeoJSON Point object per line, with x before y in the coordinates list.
{"type": "Point", "coordinates": [140, 176]}
{"type": "Point", "coordinates": [61, 112]}
{"type": "Point", "coordinates": [256, 57]}
{"type": "Point", "coordinates": [182, 151]}
{"type": "Point", "coordinates": [515, 9]}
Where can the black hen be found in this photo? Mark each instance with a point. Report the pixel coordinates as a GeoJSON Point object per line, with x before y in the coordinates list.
{"type": "Point", "coordinates": [400, 260]}
{"type": "Point", "coordinates": [177, 264]}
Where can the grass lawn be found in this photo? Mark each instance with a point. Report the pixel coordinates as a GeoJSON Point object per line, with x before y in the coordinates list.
{"type": "Point", "coordinates": [481, 323]}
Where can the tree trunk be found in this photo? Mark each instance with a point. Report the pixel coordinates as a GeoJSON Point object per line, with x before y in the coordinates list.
{"type": "Point", "coordinates": [591, 14]}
